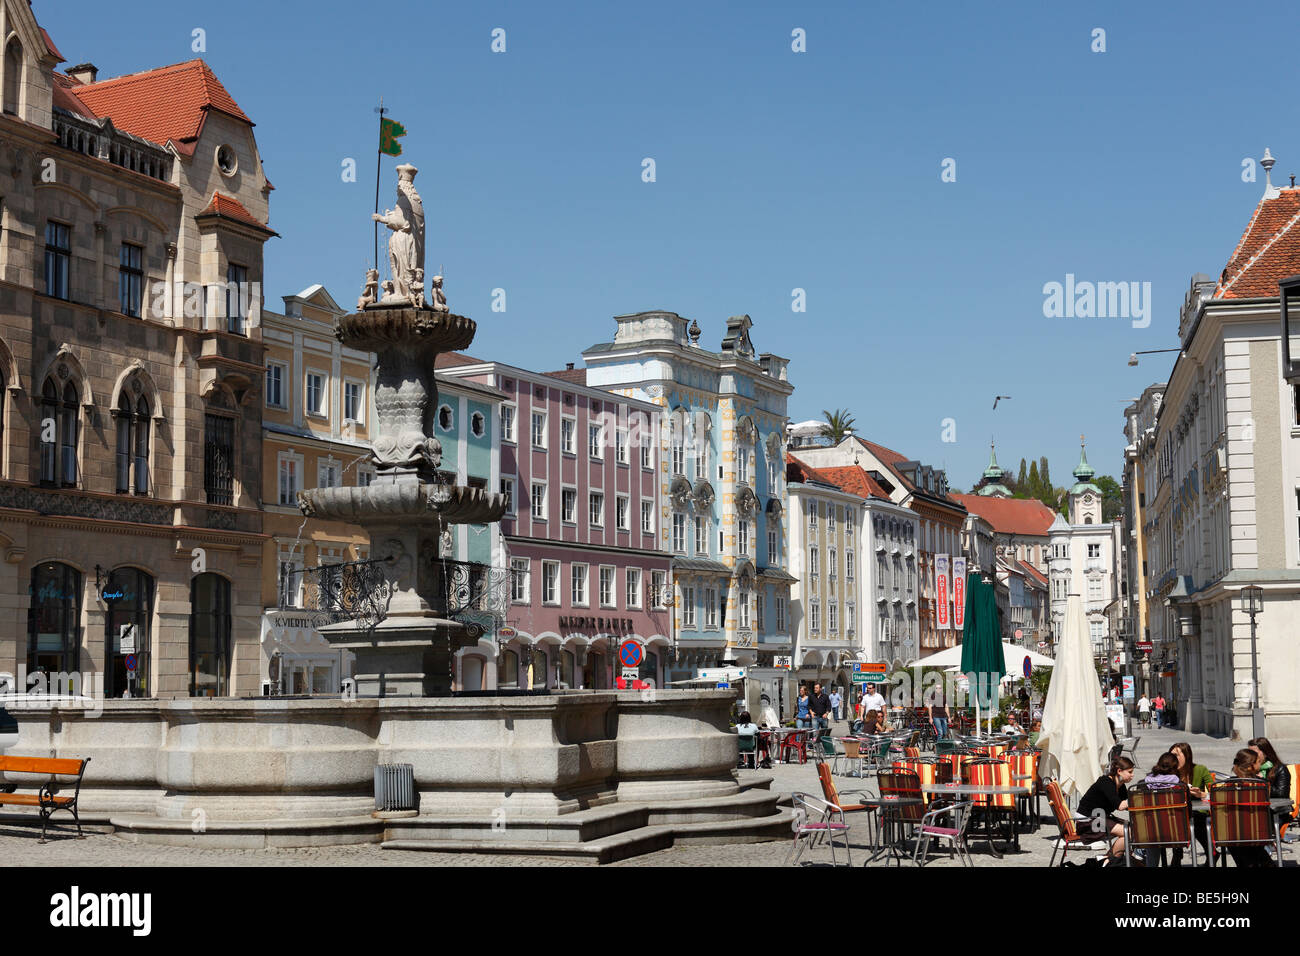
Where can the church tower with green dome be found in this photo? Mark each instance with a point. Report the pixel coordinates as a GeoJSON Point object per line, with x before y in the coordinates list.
{"type": "Point", "coordinates": [1085, 496]}
{"type": "Point", "coordinates": [991, 484]}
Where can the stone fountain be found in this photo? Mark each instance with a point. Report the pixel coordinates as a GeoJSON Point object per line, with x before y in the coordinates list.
{"type": "Point", "coordinates": [407, 508]}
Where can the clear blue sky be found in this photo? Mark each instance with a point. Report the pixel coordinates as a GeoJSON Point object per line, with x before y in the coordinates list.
{"type": "Point", "coordinates": [775, 170]}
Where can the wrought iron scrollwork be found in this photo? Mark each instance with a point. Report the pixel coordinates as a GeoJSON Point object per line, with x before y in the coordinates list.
{"type": "Point", "coordinates": [358, 591]}
{"type": "Point", "coordinates": [477, 595]}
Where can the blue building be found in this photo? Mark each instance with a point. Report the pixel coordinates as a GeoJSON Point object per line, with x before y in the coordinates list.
{"type": "Point", "coordinates": [722, 472]}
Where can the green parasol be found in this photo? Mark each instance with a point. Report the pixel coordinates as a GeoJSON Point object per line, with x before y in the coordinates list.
{"type": "Point", "coordinates": [981, 646]}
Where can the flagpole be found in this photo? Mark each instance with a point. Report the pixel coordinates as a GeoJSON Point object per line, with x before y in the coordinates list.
{"type": "Point", "coordinates": [379, 157]}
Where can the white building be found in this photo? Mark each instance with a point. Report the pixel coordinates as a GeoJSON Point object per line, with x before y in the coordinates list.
{"type": "Point", "coordinates": [1081, 557]}
{"type": "Point", "coordinates": [1222, 489]}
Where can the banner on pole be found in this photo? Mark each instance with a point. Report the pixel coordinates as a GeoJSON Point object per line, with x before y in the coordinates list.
{"type": "Point", "coordinates": [958, 593]}
{"type": "Point", "coordinates": [941, 592]}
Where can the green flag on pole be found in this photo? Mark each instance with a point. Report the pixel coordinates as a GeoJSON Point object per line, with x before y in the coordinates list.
{"type": "Point", "coordinates": [389, 130]}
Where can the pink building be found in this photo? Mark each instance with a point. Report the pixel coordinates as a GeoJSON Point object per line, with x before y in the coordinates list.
{"type": "Point", "coordinates": [580, 467]}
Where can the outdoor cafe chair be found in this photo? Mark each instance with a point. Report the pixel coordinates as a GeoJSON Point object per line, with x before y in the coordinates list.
{"type": "Point", "coordinates": [851, 756]}
{"type": "Point", "coordinates": [944, 823]}
{"type": "Point", "coordinates": [866, 803]}
{"type": "Point", "coordinates": [996, 811]}
{"type": "Point", "coordinates": [748, 746]}
{"type": "Point", "coordinates": [1158, 819]}
{"type": "Point", "coordinates": [797, 742]}
{"type": "Point", "coordinates": [1240, 815]}
{"type": "Point", "coordinates": [827, 743]}
{"type": "Point", "coordinates": [901, 804]}
{"type": "Point", "coordinates": [925, 769]}
{"type": "Point", "coordinates": [1069, 836]}
{"type": "Point", "coordinates": [813, 819]}
{"type": "Point", "coordinates": [1024, 765]}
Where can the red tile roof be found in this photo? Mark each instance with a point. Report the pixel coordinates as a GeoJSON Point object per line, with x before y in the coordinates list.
{"type": "Point", "coordinates": [1269, 250]}
{"type": "Point", "coordinates": [65, 96]}
{"type": "Point", "coordinates": [1011, 515]}
{"type": "Point", "coordinates": [49, 44]}
{"type": "Point", "coordinates": [227, 207]}
{"type": "Point", "coordinates": [169, 103]}
{"type": "Point", "coordinates": [452, 359]}
{"type": "Point", "coordinates": [854, 480]}
{"type": "Point", "coordinates": [575, 376]}
{"type": "Point", "coordinates": [1033, 572]}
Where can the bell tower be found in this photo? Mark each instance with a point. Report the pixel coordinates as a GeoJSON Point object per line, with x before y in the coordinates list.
{"type": "Point", "coordinates": [1085, 496]}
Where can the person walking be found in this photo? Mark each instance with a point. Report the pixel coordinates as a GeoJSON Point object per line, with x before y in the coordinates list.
{"type": "Point", "coordinates": [1158, 705]}
{"type": "Point", "coordinates": [820, 705]}
{"type": "Point", "coordinates": [872, 700]}
{"type": "Point", "coordinates": [802, 710]}
{"type": "Point", "coordinates": [938, 712]}
{"type": "Point", "coordinates": [1144, 710]}
{"type": "Point", "coordinates": [836, 702]}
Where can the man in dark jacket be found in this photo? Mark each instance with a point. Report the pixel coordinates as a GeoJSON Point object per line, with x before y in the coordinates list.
{"type": "Point", "coordinates": [820, 704]}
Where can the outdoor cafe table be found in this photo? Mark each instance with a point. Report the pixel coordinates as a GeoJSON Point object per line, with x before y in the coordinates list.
{"type": "Point", "coordinates": [970, 789]}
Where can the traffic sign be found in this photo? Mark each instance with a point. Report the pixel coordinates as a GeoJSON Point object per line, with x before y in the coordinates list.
{"type": "Point", "coordinates": [1028, 667]}
{"type": "Point", "coordinates": [126, 639]}
{"type": "Point", "coordinates": [630, 653]}
{"type": "Point", "coordinates": [868, 672]}
{"type": "Point", "coordinates": [130, 662]}
{"type": "Point", "coordinates": [1019, 633]}
{"type": "Point", "coordinates": [630, 673]}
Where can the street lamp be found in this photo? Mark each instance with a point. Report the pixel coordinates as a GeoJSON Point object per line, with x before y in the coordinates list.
{"type": "Point", "coordinates": [1252, 602]}
{"type": "Point", "coordinates": [1133, 356]}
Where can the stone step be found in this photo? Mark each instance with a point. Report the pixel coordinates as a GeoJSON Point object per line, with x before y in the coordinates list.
{"type": "Point", "coordinates": [619, 846]}
{"type": "Point", "coordinates": [583, 826]}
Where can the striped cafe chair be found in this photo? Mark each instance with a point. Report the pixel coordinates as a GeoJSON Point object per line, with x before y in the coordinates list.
{"type": "Point", "coordinates": [925, 769]}
{"type": "Point", "coordinates": [957, 760]}
{"type": "Point", "coordinates": [911, 752]}
{"type": "Point", "coordinates": [902, 805]}
{"type": "Point", "coordinates": [992, 808]}
{"type": "Point", "coordinates": [1068, 835]}
{"type": "Point", "coordinates": [1159, 819]}
{"type": "Point", "coordinates": [1024, 764]}
{"type": "Point", "coordinates": [1240, 816]}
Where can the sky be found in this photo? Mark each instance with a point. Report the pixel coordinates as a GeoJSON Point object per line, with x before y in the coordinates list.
{"type": "Point", "coordinates": [774, 170]}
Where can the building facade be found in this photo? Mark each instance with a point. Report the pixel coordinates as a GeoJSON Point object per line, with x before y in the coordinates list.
{"type": "Point", "coordinates": [940, 517]}
{"type": "Point", "coordinates": [722, 481]}
{"type": "Point", "coordinates": [134, 216]}
{"type": "Point", "coordinates": [1224, 512]}
{"type": "Point", "coordinates": [579, 467]}
{"type": "Point", "coordinates": [1155, 667]}
{"type": "Point", "coordinates": [1081, 559]}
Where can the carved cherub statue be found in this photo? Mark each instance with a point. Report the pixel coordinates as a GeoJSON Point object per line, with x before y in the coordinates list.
{"type": "Point", "coordinates": [370, 293]}
{"type": "Point", "coordinates": [438, 301]}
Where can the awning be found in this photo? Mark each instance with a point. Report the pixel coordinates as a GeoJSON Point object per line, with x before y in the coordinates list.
{"type": "Point", "coordinates": [701, 564]}
{"type": "Point", "coordinates": [776, 574]}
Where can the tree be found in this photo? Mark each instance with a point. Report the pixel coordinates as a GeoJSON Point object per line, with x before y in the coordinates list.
{"type": "Point", "coordinates": [1022, 477]}
{"type": "Point", "coordinates": [1045, 474]}
{"type": "Point", "coordinates": [839, 425]}
{"type": "Point", "coordinates": [1112, 498]}
{"type": "Point", "coordinates": [1034, 488]}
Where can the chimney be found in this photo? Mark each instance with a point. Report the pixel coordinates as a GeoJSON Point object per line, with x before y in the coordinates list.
{"type": "Point", "coordinates": [84, 73]}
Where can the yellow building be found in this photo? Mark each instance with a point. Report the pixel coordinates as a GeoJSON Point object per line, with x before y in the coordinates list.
{"type": "Point", "coordinates": [317, 410]}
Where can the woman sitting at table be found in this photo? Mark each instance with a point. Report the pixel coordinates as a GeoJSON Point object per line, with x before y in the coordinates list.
{"type": "Point", "coordinates": [874, 723]}
{"type": "Point", "coordinates": [1245, 767]}
{"type": "Point", "coordinates": [1035, 729]}
{"type": "Point", "coordinates": [1271, 768]}
{"type": "Point", "coordinates": [1198, 779]}
{"type": "Point", "coordinates": [745, 727]}
{"type": "Point", "coordinates": [1164, 773]}
{"type": "Point", "coordinates": [1108, 794]}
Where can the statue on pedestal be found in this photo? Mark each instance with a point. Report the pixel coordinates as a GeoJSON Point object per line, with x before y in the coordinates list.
{"type": "Point", "coordinates": [406, 244]}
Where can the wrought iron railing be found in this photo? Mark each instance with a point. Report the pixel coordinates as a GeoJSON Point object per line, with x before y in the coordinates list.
{"type": "Point", "coordinates": [358, 591]}
{"type": "Point", "coordinates": [477, 595]}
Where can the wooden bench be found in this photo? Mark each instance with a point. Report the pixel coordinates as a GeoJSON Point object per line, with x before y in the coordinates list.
{"type": "Point", "coordinates": [46, 800]}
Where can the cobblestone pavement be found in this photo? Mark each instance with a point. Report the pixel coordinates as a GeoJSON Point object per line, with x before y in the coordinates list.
{"type": "Point", "coordinates": [19, 846]}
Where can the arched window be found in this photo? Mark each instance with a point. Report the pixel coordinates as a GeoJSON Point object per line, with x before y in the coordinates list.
{"type": "Point", "coordinates": [129, 599]}
{"type": "Point", "coordinates": [132, 443]}
{"type": "Point", "coordinates": [209, 636]}
{"type": "Point", "coordinates": [54, 620]}
{"type": "Point", "coordinates": [13, 78]}
{"type": "Point", "coordinates": [58, 431]}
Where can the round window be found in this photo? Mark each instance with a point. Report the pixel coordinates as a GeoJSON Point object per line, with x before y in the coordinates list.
{"type": "Point", "coordinates": [444, 418]}
{"type": "Point", "coordinates": [226, 160]}
{"type": "Point", "coordinates": [476, 424]}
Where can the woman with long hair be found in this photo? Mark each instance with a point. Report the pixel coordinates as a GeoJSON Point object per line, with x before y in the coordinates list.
{"type": "Point", "coordinates": [1103, 798]}
{"type": "Point", "coordinates": [1198, 779]}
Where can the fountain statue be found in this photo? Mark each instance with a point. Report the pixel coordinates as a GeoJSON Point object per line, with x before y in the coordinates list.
{"type": "Point", "coordinates": [407, 507]}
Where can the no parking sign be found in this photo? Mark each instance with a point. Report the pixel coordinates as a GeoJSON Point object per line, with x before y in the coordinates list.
{"type": "Point", "coordinates": [630, 653]}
